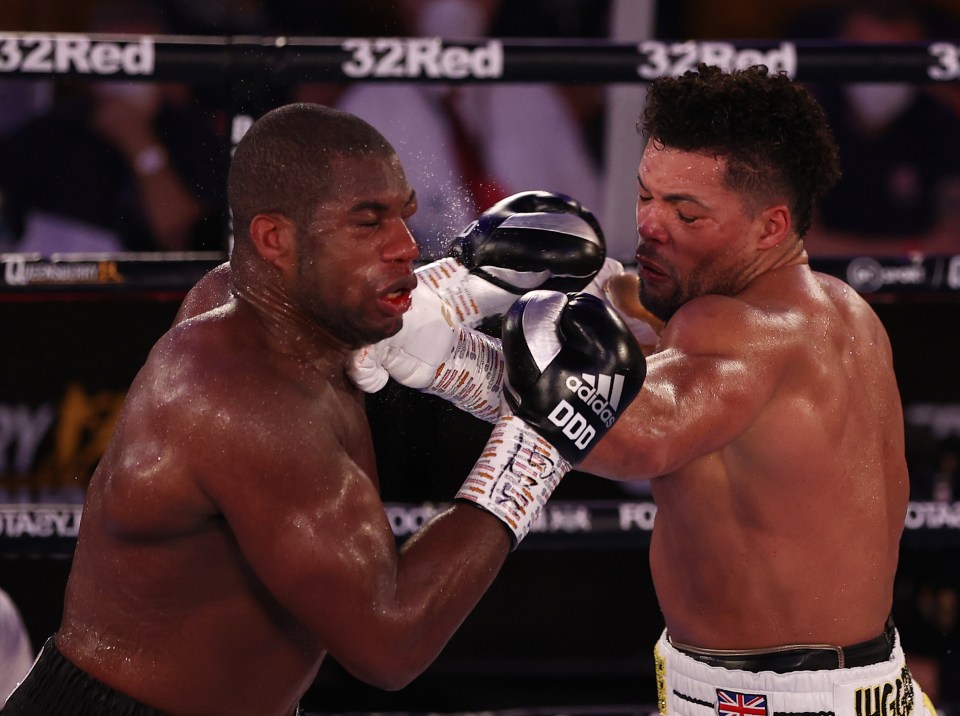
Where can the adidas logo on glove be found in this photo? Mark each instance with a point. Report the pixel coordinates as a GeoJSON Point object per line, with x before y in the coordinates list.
{"type": "Point", "coordinates": [600, 393]}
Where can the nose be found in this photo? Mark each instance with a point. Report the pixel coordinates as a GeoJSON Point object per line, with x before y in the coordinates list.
{"type": "Point", "coordinates": [400, 245]}
{"type": "Point", "coordinates": [649, 226]}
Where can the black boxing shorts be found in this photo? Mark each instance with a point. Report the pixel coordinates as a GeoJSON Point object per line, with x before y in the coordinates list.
{"type": "Point", "coordinates": [55, 686]}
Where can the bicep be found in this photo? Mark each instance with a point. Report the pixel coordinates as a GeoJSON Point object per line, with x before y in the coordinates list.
{"type": "Point", "coordinates": [695, 400]}
{"type": "Point", "coordinates": [309, 523]}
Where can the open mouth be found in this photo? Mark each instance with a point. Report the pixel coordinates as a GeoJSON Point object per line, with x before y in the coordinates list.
{"type": "Point", "coordinates": [398, 297]}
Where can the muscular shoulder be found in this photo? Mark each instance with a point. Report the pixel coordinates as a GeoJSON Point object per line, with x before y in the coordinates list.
{"type": "Point", "coordinates": [205, 381]}
{"type": "Point", "coordinates": [211, 291]}
{"type": "Point", "coordinates": [164, 433]}
{"type": "Point", "coordinates": [215, 369]}
{"type": "Point", "coordinates": [845, 300]}
{"type": "Point", "coordinates": [241, 409]}
{"type": "Point", "coordinates": [765, 331]}
{"type": "Point", "coordinates": [723, 324]}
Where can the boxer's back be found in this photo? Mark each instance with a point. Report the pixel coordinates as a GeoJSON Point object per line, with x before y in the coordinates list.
{"type": "Point", "coordinates": [775, 539]}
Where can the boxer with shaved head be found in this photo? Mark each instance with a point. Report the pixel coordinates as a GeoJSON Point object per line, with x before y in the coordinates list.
{"type": "Point", "coordinates": [233, 533]}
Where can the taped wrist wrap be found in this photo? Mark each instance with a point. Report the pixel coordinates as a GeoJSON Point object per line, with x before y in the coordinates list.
{"type": "Point", "coordinates": [472, 375]}
{"type": "Point", "coordinates": [516, 474]}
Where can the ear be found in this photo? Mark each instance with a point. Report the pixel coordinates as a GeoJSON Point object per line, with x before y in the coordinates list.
{"type": "Point", "coordinates": [776, 224]}
{"type": "Point", "coordinates": [274, 238]}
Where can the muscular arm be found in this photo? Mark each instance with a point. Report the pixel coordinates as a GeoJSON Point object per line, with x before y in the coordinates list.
{"type": "Point", "coordinates": [307, 516]}
{"type": "Point", "coordinates": [705, 385]}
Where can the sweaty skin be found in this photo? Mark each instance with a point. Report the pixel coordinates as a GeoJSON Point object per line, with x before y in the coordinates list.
{"type": "Point", "coordinates": [769, 425]}
{"type": "Point", "coordinates": [233, 533]}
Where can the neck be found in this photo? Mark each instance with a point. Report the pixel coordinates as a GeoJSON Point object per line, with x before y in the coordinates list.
{"type": "Point", "coordinates": [792, 253]}
{"type": "Point", "coordinates": [287, 327]}
{"type": "Point", "coordinates": [786, 254]}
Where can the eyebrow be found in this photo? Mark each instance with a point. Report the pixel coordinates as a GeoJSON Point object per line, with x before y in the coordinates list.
{"type": "Point", "coordinates": [379, 205]}
{"type": "Point", "coordinates": [675, 197]}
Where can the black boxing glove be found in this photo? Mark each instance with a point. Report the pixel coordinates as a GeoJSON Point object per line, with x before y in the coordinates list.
{"type": "Point", "coordinates": [534, 239]}
{"type": "Point", "coordinates": [572, 368]}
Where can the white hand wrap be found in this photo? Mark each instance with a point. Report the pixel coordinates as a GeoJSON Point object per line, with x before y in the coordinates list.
{"type": "Point", "coordinates": [433, 353]}
{"type": "Point", "coordinates": [517, 472]}
{"type": "Point", "coordinates": [472, 297]}
{"type": "Point", "coordinates": [471, 377]}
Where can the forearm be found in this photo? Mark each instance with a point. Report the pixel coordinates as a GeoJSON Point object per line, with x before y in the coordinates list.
{"type": "Point", "coordinates": [616, 457]}
{"type": "Point", "coordinates": [442, 572]}
{"type": "Point", "coordinates": [169, 206]}
{"type": "Point", "coordinates": [446, 567]}
{"type": "Point", "coordinates": [170, 209]}
{"type": "Point", "coordinates": [634, 449]}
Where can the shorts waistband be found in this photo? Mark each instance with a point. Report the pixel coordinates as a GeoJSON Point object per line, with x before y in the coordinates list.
{"type": "Point", "coordinates": [800, 657]}
{"type": "Point", "coordinates": [56, 685]}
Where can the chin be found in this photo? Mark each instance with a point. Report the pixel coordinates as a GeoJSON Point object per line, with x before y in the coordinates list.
{"type": "Point", "coordinates": [392, 329]}
{"type": "Point", "coordinates": [655, 306]}
{"type": "Point", "coordinates": [369, 335]}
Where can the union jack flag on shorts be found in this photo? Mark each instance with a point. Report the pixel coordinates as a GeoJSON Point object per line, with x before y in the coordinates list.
{"type": "Point", "coordinates": [733, 703]}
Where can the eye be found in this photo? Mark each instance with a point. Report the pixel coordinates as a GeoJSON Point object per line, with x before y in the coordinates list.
{"type": "Point", "coordinates": [686, 219]}
{"type": "Point", "coordinates": [368, 219]}
{"type": "Point", "coordinates": [643, 194]}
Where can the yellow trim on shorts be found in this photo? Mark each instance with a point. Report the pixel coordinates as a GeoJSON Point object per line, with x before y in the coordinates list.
{"type": "Point", "coordinates": [660, 669]}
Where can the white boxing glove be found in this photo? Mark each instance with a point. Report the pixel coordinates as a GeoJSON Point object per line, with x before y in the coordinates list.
{"type": "Point", "coordinates": [414, 352]}
{"type": "Point", "coordinates": [471, 296]}
{"type": "Point", "coordinates": [435, 354]}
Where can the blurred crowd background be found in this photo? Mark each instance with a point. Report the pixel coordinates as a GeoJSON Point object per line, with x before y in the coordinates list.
{"type": "Point", "coordinates": [153, 155]}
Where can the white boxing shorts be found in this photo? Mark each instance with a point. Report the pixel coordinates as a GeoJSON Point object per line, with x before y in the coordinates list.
{"type": "Point", "coordinates": [688, 687]}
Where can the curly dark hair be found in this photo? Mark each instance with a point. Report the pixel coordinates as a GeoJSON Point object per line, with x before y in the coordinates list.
{"type": "Point", "coordinates": [772, 132]}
